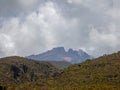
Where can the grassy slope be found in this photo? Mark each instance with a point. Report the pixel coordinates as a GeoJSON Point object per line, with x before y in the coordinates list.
{"type": "Point", "coordinates": [60, 64]}
{"type": "Point", "coordinates": [102, 73]}
{"type": "Point", "coordinates": [16, 70]}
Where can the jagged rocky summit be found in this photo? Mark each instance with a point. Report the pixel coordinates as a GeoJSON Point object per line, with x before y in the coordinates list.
{"type": "Point", "coordinates": [60, 54]}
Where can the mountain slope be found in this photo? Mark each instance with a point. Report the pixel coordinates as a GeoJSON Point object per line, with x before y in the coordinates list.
{"type": "Point", "coordinates": [59, 54]}
{"type": "Point", "coordinates": [102, 72]}
{"type": "Point", "coordinates": [17, 70]}
{"type": "Point", "coordinates": [60, 64]}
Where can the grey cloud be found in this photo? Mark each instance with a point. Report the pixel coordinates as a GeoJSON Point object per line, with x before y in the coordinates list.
{"type": "Point", "coordinates": [14, 8]}
{"type": "Point", "coordinates": [31, 27]}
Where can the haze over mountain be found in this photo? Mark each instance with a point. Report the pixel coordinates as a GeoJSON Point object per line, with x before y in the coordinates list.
{"type": "Point", "coordinates": [59, 54]}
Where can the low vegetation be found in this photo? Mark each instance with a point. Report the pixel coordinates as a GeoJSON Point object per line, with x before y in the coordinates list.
{"type": "Point", "coordinates": [102, 73]}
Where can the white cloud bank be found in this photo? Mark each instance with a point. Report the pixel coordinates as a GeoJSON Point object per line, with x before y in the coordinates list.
{"type": "Point", "coordinates": [35, 26]}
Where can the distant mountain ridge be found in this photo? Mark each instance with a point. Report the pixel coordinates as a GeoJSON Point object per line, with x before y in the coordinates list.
{"type": "Point", "coordinates": [59, 54]}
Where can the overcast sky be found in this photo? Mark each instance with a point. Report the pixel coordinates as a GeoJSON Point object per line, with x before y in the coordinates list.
{"type": "Point", "coordinates": [34, 26]}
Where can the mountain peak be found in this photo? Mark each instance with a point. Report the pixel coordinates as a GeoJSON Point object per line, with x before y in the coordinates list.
{"type": "Point", "coordinates": [59, 54]}
{"type": "Point", "coordinates": [59, 49]}
{"type": "Point", "coordinates": [70, 50]}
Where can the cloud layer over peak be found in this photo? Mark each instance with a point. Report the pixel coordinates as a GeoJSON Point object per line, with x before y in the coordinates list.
{"type": "Point", "coordinates": [38, 25]}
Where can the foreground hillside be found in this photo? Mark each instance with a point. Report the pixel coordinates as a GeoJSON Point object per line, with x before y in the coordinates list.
{"type": "Point", "coordinates": [18, 70]}
{"type": "Point", "coordinates": [102, 73]}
